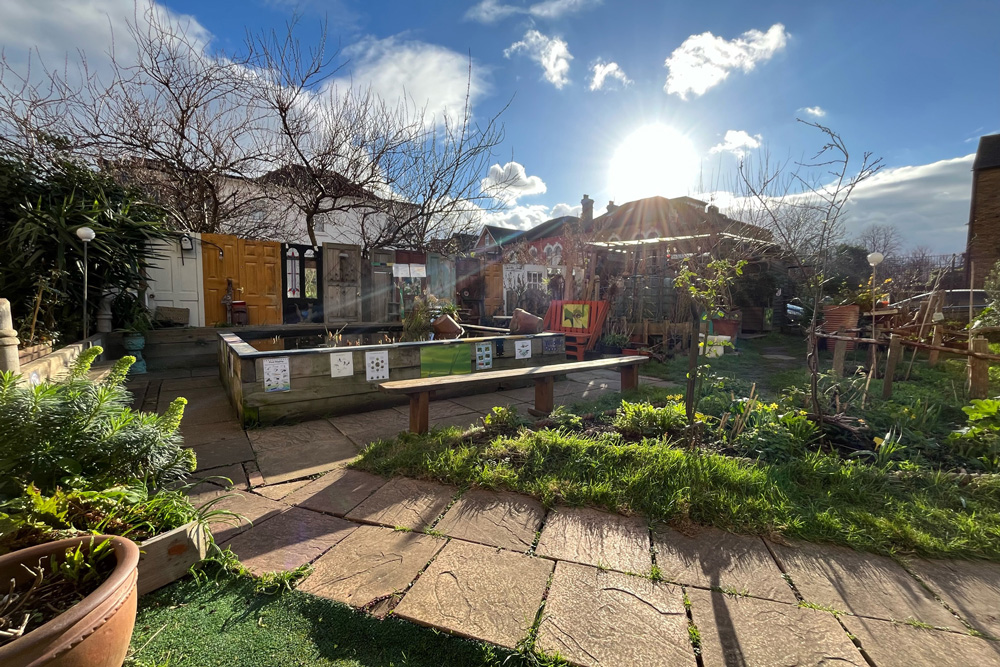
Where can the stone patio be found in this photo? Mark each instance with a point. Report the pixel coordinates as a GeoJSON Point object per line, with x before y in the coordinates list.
{"type": "Point", "coordinates": [495, 564]}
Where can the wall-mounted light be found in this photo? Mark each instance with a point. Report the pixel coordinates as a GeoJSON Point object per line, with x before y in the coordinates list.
{"type": "Point", "coordinates": [187, 243]}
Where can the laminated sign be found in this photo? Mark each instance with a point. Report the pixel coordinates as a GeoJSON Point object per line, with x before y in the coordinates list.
{"type": "Point", "coordinates": [277, 377]}
{"type": "Point", "coordinates": [522, 349]}
{"type": "Point", "coordinates": [341, 364]}
{"type": "Point", "coordinates": [377, 365]}
{"type": "Point", "coordinates": [484, 356]}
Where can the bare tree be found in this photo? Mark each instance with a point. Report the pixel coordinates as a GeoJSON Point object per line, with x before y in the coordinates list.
{"type": "Point", "coordinates": [802, 205]}
{"type": "Point", "coordinates": [880, 238]}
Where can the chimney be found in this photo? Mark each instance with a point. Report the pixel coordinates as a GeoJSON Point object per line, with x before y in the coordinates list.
{"type": "Point", "coordinates": [612, 207]}
{"type": "Point", "coordinates": [587, 214]}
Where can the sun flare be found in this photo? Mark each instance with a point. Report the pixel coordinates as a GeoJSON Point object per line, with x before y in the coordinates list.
{"type": "Point", "coordinates": [653, 160]}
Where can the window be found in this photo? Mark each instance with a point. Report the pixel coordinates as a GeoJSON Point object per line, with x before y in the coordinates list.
{"type": "Point", "coordinates": [533, 251]}
{"type": "Point", "coordinates": [311, 275]}
{"type": "Point", "coordinates": [293, 269]}
{"type": "Point", "coordinates": [534, 280]}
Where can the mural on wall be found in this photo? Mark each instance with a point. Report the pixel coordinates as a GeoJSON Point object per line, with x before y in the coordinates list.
{"type": "Point", "coordinates": [277, 376]}
{"type": "Point", "coordinates": [440, 360]}
{"type": "Point", "coordinates": [522, 349]}
{"type": "Point", "coordinates": [377, 365]}
{"type": "Point", "coordinates": [484, 356]}
{"type": "Point", "coordinates": [341, 364]}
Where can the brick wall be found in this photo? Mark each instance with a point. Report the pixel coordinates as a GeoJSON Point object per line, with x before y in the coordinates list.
{"type": "Point", "coordinates": [984, 227]}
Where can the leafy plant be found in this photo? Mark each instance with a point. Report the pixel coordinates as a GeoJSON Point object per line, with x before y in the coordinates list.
{"type": "Point", "coordinates": [645, 420]}
{"type": "Point", "coordinates": [561, 417]}
{"type": "Point", "coordinates": [502, 420]}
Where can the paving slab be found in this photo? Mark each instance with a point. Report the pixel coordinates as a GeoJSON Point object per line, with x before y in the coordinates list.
{"type": "Point", "coordinates": [738, 630]}
{"type": "Point", "coordinates": [279, 491]}
{"type": "Point", "coordinates": [498, 519]}
{"type": "Point", "coordinates": [337, 492]}
{"type": "Point", "coordinates": [300, 450]}
{"type": "Point", "coordinates": [859, 583]}
{"type": "Point", "coordinates": [228, 476]}
{"type": "Point", "coordinates": [206, 434]}
{"type": "Point", "coordinates": [205, 406]}
{"type": "Point", "coordinates": [588, 536]}
{"type": "Point", "coordinates": [205, 371]}
{"type": "Point", "coordinates": [486, 402]}
{"type": "Point", "coordinates": [247, 510]}
{"type": "Point", "coordinates": [437, 410]}
{"type": "Point", "coordinates": [713, 558]}
{"type": "Point", "coordinates": [464, 421]}
{"type": "Point", "coordinates": [169, 373]}
{"type": "Point", "coordinates": [223, 452]}
{"type": "Point", "coordinates": [970, 588]}
{"type": "Point", "coordinates": [371, 563]}
{"type": "Point", "coordinates": [175, 385]}
{"type": "Point", "coordinates": [479, 592]}
{"type": "Point", "coordinates": [404, 503]}
{"type": "Point", "coordinates": [286, 541]}
{"type": "Point", "coordinates": [365, 427]}
{"type": "Point", "coordinates": [568, 387]}
{"type": "Point", "coordinates": [613, 619]}
{"type": "Point", "coordinates": [902, 645]}
{"type": "Point", "coordinates": [523, 394]}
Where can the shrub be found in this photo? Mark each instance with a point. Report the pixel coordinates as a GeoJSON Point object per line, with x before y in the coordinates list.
{"type": "Point", "coordinates": [78, 434]}
{"type": "Point", "coordinates": [502, 420]}
{"type": "Point", "coordinates": [645, 420]}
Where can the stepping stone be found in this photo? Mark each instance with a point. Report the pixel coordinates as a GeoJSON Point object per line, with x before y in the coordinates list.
{"type": "Point", "coordinates": [178, 385]}
{"type": "Point", "coordinates": [404, 503]}
{"type": "Point", "coordinates": [231, 476]}
{"type": "Point", "coordinates": [713, 558]}
{"type": "Point", "coordinates": [486, 402]}
{"type": "Point", "coordinates": [614, 619]}
{"type": "Point", "coordinates": [284, 542]}
{"type": "Point", "coordinates": [337, 492]}
{"type": "Point", "coordinates": [279, 491]}
{"type": "Point", "coordinates": [970, 588]}
{"type": "Point", "coordinates": [369, 564]}
{"type": "Point", "coordinates": [205, 406]}
{"type": "Point", "coordinates": [363, 428]}
{"type": "Point", "coordinates": [478, 592]}
{"type": "Point", "coordinates": [859, 583]}
{"type": "Point", "coordinates": [587, 536]}
{"type": "Point", "coordinates": [778, 357]}
{"type": "Point", "coordinates": [206, 434]}
{"type": "Point", "coordinates": [507, 520]}
{"type": "Point", "coordinates": [224, 452]}
{"type": "Point", "coordinates": [902, 645]}
{"type": "Point", "coordinates": [746, 631]}
{"type": "Point", "coordinates": [246, 510]}
{"type": "Point", "coordinates": [292, 452]}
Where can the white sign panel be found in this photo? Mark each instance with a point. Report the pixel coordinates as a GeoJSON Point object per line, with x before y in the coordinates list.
{"type": "Point", "coordinates": [341, 364]}
{"type": "Point", "coordinates": [484, 356]}
{"type": "Point", "coordinates": [277, 377]}
{"type": "Point", "coordinates": [400, 270]}
{"type": "Point", "coordinates": [418, 271]}
{"type": "Point", "coordinates": [377, 365]}
{"type": "Point", "coordinates": [522, 349]}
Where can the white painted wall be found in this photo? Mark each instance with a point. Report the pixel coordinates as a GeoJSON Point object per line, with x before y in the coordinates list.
{"type": "Point", "coordinates": [176, 279]}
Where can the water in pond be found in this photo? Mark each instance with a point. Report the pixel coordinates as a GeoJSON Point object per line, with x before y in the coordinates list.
{"type": "Point", "coordinates": [296, 341]}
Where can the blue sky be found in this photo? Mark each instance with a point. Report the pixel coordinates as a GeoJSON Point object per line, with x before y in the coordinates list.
{"type": "Point", "coordinates": [913, 82]}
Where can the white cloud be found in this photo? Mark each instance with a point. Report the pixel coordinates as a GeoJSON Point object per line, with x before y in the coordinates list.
{"type": "Point", "coordinates": [526, 217]}
{"type": "Point", "coordinates": [551, 53]}
{"type": "Point", "coordinates": [509, 182]}
{"type": "Point", "coordinates": [704, 61]}
{"type": "Point", "coordinates": [491, 11]}
{"type": "Point", "coordinates": [816, 112]}
{"type": "Point", "coordinates": [737, 142]}
{"type": "Point", "coordinates": [604, 71]}
{"type": "Point", "coordinates": [429, 75]}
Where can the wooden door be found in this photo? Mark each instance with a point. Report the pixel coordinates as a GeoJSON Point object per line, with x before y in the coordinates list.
{"type": "Point", "coordinates": [341, 283]}
{"type": "Point", "coordinates": [380, 290]}
{"type": "Point", "coordinates": [493, 289]}
{"type": "Point", "coordinates": [216, 272]}
{"type": "Point", "coordinates": [260, 280]}
{"type": "Point", "coordinates": [441, 276]}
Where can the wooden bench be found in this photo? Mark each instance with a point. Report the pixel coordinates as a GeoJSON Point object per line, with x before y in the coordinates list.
{"type": "Point", "coordinates": [419, 390]}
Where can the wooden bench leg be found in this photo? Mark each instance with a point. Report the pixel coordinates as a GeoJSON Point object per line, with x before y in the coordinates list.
{"type": "Point", "coordinates": [544, 396]}
{"type": "Point", "coordinates": [419, 413]}
{"type": "Point", "coordinates": [630, 377]}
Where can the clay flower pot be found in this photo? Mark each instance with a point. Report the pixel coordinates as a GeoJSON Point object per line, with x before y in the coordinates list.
{"type": "Point", "coordinates": [93, 633]}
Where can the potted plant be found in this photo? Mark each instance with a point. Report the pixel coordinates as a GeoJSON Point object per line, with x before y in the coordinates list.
{"type": "Point", "coordinates": [71, 603]}
{"type": "Point", "coordinates": [133, 319]}
{"type": "Point", "coordinates": [613, 343]}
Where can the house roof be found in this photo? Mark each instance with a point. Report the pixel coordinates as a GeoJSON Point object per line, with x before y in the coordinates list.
{"type": "Point", "coordinates": [547, 229]}
{"type": "Point", "coordinates": [988, 154]}
{"type": "Point", "coordinates": [501, 235]}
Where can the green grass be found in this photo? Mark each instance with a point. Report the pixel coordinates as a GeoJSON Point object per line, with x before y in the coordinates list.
{"type": "Point", "coordinates": [818, 497]}
{"type": "Point", "coordinates": [228, 623]}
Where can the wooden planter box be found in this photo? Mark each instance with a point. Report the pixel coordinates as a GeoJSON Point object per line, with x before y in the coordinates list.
{"type": "Point", "coordinates": [166, 558]}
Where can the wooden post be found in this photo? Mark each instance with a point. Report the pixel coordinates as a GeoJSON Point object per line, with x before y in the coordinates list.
{"type": "Point", "coordinates": [839, 353]}
{"type": "Point", "coordinates": [630, 377]}
{"type": "Point", "coordinates": [895, 352]}
{"type": "Point", "coordinates": [419, 412]}
{"type": "Point", "coordinates": [544, 395]}
{"type": "Point", "coordinates": [9, 360]}
{"type": "Point", "coordinates": [936, 340]}
{"type": "Point", "coordinates": [979, 369]}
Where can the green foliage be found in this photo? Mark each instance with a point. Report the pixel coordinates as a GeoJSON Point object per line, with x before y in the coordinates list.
{"type": "Point", "coordinates": [616, 339]}
{"type": "Point", "coordinates": [78, 434]}
{"type": "Point", "coordinates": [502, 419]}
{"type": "Point", "coordinates": [41, 258]}
{"type": "Point", "coordinates": [561, 417]}
{"type": "Point", "coordinates": [980, 440]}
{"type": "Point", "coordinates": [645, 420]}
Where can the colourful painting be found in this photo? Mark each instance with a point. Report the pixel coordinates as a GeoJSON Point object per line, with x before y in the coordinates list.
{"type": "Point", "coordinates": [450, 359]}
{"type": "Point", "coordinates": [576, 315]}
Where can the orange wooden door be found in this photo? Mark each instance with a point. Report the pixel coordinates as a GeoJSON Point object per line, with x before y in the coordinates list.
{"type": "Point", "coordinates": [216, 271]}
{"type": "Point", "coordinates": [493, 289]}
{"type": "Point", "coordinates": [260, 280]}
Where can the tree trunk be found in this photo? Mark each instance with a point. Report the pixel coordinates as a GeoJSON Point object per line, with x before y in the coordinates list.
{"type": "Point", "coordinates": [311, 228]}
{"type": "Point", "coordinates": [692, 374]}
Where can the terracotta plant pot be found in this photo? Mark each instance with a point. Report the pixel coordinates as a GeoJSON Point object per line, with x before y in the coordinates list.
{"type": "Point", "coordinates": [446, 327]}
{"type": "Point", "coordinates": [523, 322]}
{"type": "Point", "coordinates": [93, 633]}
{"type": "Point", "coordinates": [841, 317]}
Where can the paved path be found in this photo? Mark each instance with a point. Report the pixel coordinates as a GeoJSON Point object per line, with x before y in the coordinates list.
{"type": "Point", "coordinates": [499, 567]}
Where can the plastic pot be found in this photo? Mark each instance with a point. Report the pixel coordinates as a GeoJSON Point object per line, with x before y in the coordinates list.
{"type": "Point", "coordinates": [96, 631]}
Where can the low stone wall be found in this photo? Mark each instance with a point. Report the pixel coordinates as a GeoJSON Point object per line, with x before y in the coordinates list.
{"type": "Point", "coordinates": [314, 393]}
{"type": "Point", "coordinates": [57, 363]}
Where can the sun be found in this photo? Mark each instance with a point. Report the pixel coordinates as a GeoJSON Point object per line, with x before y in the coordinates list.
{"type": "Point", "coordinates": [653, 160]}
